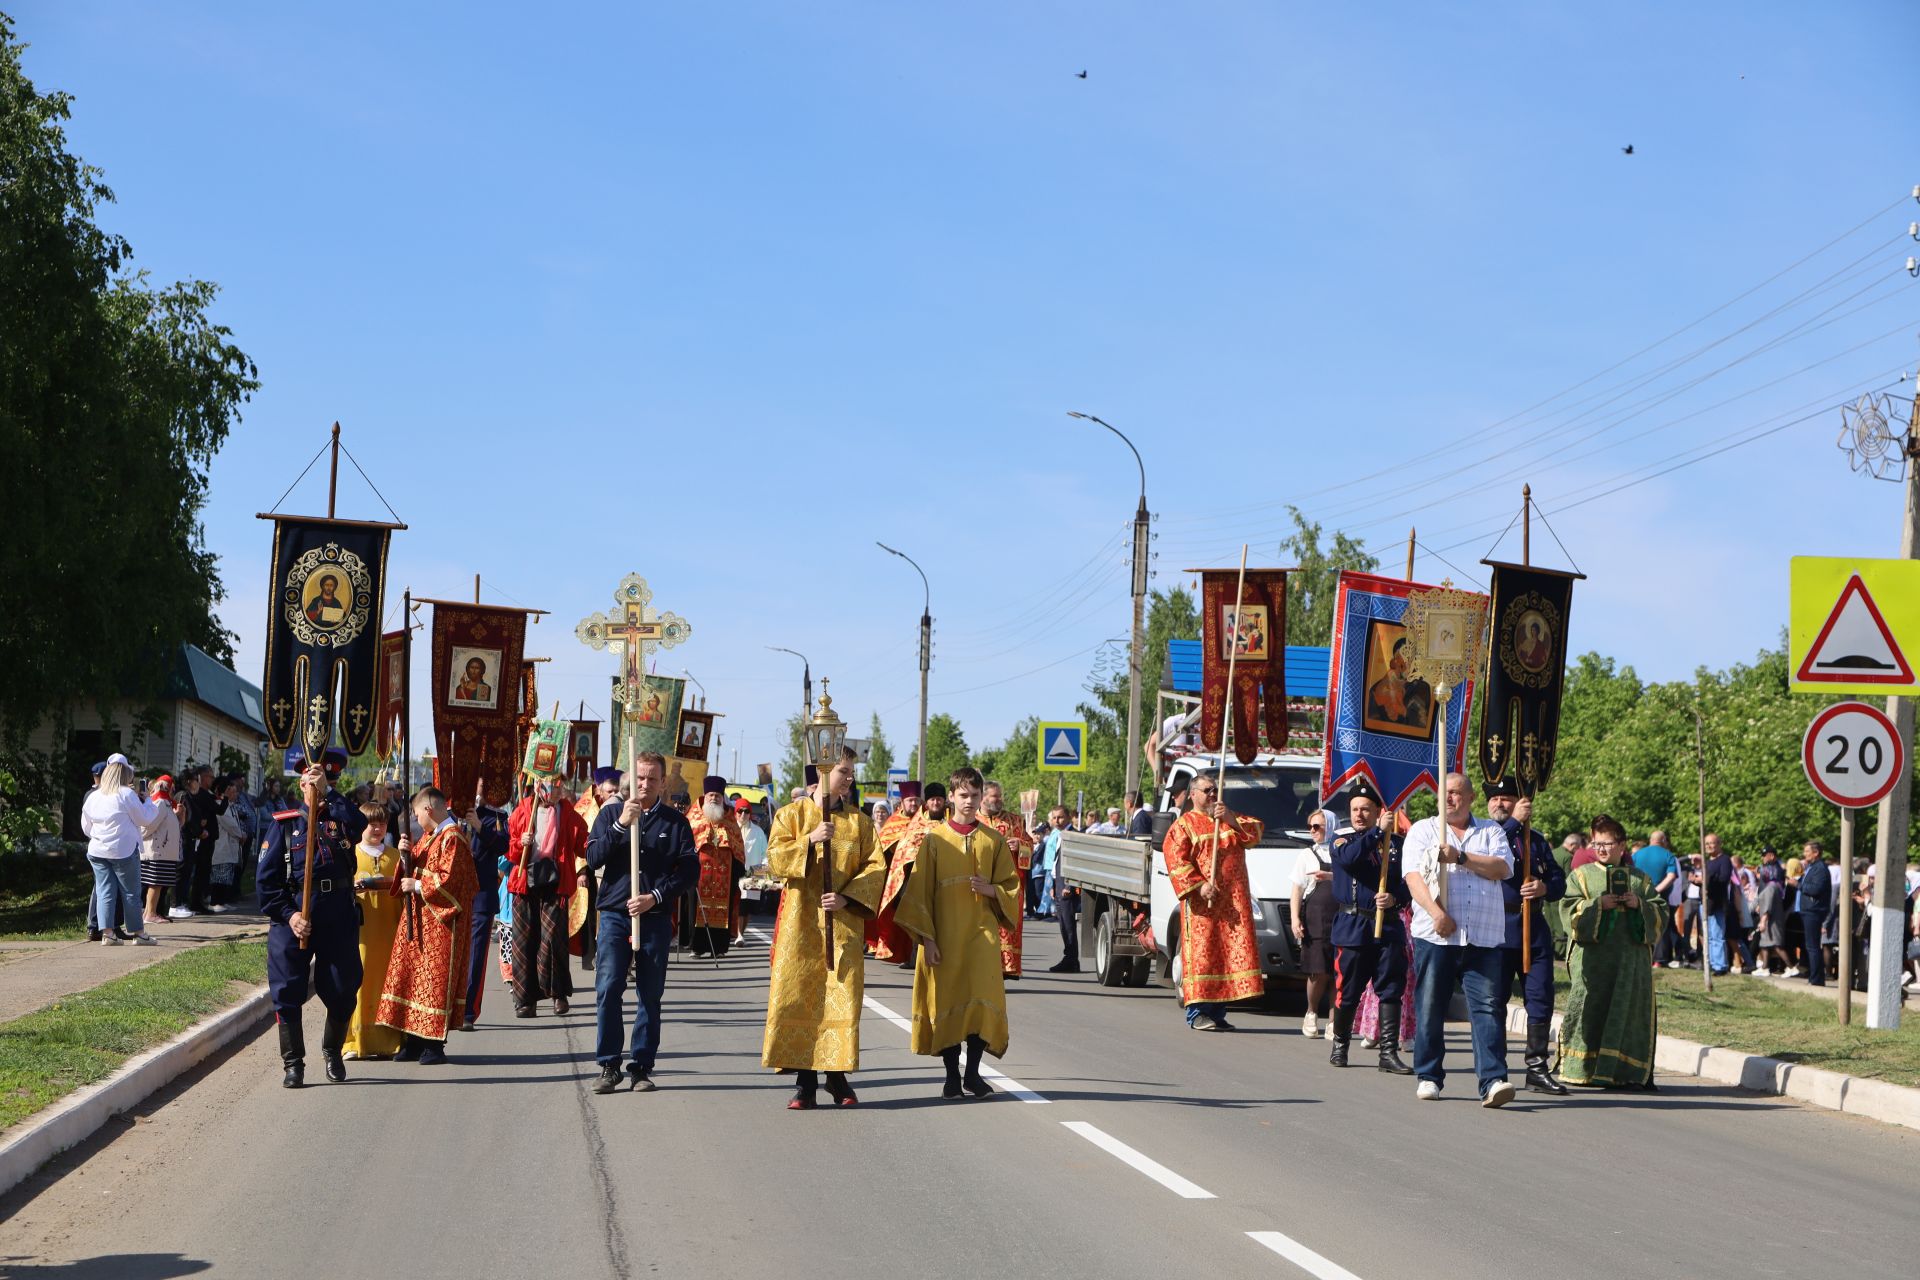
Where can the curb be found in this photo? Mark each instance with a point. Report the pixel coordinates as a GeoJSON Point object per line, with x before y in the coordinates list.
{"type": "Point", "coordinates": [80, 1115]}
{"type": "Point", "coordinates": [1854, 1095]}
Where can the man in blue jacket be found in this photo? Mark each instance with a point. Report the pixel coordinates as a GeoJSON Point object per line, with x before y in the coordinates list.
{"type": "Point", "coordinates": [1815, 901]}
{"type": "Point", "coordinates": [1358, 956]}
{"type": "Point", "coordinates": [669, 866]}
{"type": "Point", "coordinates": [1537, 880]}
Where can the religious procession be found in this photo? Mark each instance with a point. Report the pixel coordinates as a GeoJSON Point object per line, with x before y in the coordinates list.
{"type": "Point", "coordinates": [845, 623]}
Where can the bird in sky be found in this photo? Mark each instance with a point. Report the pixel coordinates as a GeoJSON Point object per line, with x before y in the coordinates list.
{"type": "Point", "coordinates": [1627, 150]}
{"type": "Point", "coordinates": [1083, 75]}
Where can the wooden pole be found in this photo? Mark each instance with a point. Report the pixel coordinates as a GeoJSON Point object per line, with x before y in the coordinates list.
{"type": "Point", "coordinates": [1392, 815]}
{"type": "Point", "coordinates": [1226, 718]}
{"type": "Point", "coordinates": [333, 472]}
{"type": "Point", "coordinates": [1526, 767]}
{"type": "Point", "coordinates": [1845, 948]}
{"type": "Point", "coordinates": [633, 850]}
{"type": "Point", "coordinates": [1410, 534]}
{"type": "Point", "coordinates": [476, 588]}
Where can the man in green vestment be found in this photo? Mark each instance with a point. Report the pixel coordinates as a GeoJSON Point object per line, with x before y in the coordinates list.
{"type": "Point", "coordinates": [1613, 919]}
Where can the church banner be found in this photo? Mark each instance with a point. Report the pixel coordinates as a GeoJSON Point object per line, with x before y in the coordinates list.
{"type": "Point", "coordinates": [583, 750]}
{"type": "Point", "coordinates": [650, 724]}
{"type": "Point", "coordinates": [546, 754]}
{"type": "Point", "coordinates": [1252, 633]}
{"type": "Point", "coordinates": [393, 686]}
{"type": "Point", "coordinates": [323, 638]}
{"type": "Point", "coordinates": [478, 678]}
{"type": "Point", "coordinates": [1380, 718]}
{"type": "Point", "coordinates": [1526, 674]}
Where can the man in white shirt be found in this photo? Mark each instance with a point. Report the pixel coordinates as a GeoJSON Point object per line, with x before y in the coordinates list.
{"type": "Point", "coordinates": [1454, 865]}
{"type": "Point", "coordinates": [1111, 827]}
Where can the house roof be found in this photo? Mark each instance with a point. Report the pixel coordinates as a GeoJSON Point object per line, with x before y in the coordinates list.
{"type": "Point", "coordinates": [1306, 669]}
{"type": "Point", "coordinates": [200, 676]}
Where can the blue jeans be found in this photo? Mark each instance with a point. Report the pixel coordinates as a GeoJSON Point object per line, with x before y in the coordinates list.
{"type": "Point", "coordinates": [1477, 971]}
{"type": "Point", "coordinates": [612, 958]}
{"type": "Point", "coordinates": [1717, 941]}
{"type": "Point", "coordinates": [116, 893]}
{"type": "Point", "coordinates": [1218, 1012]}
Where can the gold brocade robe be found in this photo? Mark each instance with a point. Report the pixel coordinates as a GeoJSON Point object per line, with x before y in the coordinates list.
{"type": "Point", "coordinates": [1219, 952]}
{"type": "Point", "coordinates": [813, 1017]}
{"type": "Point", "coordinates": [966, 993]}
{"type": "Point", "coordinates": [1013, 828]}
{"type": "Point", "coordinates": [379, 921]}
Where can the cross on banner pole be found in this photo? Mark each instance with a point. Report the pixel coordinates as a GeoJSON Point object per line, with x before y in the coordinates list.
{"type": "Point", "coordinates": [633, 629]}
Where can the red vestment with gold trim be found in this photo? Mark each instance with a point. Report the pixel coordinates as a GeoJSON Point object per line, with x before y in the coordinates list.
{"type": "Point", "coordinates": [427, 976]}
{"type": "Point", "coordinates": [1219, 954]}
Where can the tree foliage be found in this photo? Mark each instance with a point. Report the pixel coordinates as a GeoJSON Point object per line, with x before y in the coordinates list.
{"type": "Point", "coordinates": [1316, 572]}
{"type": "Point", "coordinates": [879, 751]}
{"type": "Point", "coordinates": [114, 397]}
{"type": "Point", "coordinates": [946, 749]}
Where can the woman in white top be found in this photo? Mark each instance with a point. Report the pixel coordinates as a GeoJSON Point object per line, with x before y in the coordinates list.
{"type": "Point", "coordinates": [160, 850]}
{"type": "Point", "coordinates": [113, 819]}
{"type": "Point", "coordinates": [228, 848]}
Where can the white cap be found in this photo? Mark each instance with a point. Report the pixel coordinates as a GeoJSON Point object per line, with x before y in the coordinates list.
{"type": "Point", "coordinates": [117, 758]}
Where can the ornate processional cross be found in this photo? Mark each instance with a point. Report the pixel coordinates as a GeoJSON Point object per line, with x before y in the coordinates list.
{"type": "Point", "coordinates": [632, 629]}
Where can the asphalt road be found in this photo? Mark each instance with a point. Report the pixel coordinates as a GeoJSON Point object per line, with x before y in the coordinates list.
{"type": "Point", "coordinates": [1121, 1144]}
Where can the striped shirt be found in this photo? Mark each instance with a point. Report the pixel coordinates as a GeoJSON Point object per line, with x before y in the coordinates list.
{"type": "Point", "coordinates": [1477, 905]}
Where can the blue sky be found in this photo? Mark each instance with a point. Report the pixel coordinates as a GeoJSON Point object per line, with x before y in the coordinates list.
{"type": "Point", "coordinates": [724, 293]}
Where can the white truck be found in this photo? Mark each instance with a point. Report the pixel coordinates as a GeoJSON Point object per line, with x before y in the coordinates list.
{"type": "Point", "coordinates": [1129, 917]}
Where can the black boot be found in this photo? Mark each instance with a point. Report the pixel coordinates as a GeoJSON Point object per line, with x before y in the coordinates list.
{"type": "Point", "coordinates": [332, 1040]}
{"type": "Point", "coordinates": [840, 1091]}
{"type": "Point", "coordinates": [951, 1056]}
{"type": "Point", "coordinates": [806, 1085]}
{"type": "Point", "coordinates": [1342, 1035]}
{"type": "Point", "coordinates": [293, 1053]}
{"type": "Point", "coordinates": [971, 1081]}
{"type": "Point", "coordinates": [1390, 1061]}
{"type": "Point", "coordinates": [1540, 1077]}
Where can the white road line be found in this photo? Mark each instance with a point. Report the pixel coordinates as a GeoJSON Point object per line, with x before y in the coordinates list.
{"type": "Point", "coordinates": [1301, 1256]}
{"type": "Point", "coordinates": [1152, 1168]}
{"type": "Point", "coordinates": [1007, 1082]}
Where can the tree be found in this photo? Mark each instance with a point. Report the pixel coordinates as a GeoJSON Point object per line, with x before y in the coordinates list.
{"type": "Point", "coordinates": [793, 762]}
{"type": "Point", "coordinates": [946, 749]}
{"type": "Point", "coordinates": [114, 398]}
{"type": "Point", "coordinates": [1311, 585]}
{"type": "Point", "coordinates": [1170, 614]}
{"type": "Point", "coordinates": [879, 753]}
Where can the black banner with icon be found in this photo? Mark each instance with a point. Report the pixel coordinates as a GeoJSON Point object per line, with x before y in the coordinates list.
{"type": "Point", "coordinates": [323, 632]}
{"type": "Point", "coordinates": [1526, 674]}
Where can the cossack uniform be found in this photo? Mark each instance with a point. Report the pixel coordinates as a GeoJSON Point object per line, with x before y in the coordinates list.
{"type": "Point", "coordinates": [1358, 956]}
{"type": "Point", "coordinates": [330, 963]}
{"type": "Point", "coordinates": [1537, 985]}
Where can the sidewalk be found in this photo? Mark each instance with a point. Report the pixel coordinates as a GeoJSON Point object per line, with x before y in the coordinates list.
{"type": "Point", "coordinates": [35, 974]}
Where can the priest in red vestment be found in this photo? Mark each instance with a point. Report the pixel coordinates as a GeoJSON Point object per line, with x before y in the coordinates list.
{"type": "Point", "coordinates": [1013, 828]}
{"type": "Point", "coordinates": [1206, 857]}
{"type": "Point", "coordinates": [427, 976]}
{"type": "Point", "coordinates": [707, 914]}
{"type": "Point", "coordinates": [885, 939]}
{"type": "Point", "coordinates": [900, 859]}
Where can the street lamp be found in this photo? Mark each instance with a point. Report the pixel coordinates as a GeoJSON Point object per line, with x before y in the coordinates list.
{"type": "Point", "coordinates": [806, 682]}
{"type": "Point", "coordinates": [826, 735]}
{"type": "Point", "coordinates": [688, 677]}
{"type": "Point", "coordinates": [926, 653]}
{"type": "Point", "coordinates": [1137, 654]}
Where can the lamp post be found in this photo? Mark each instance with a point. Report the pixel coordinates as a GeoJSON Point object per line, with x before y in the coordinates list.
{"type": "Point", "coordinates": [1137, 651]}
{"type": "Point", "coordinates": [926, 655]}
{"type": "Point", "coordinates": [806, 688]}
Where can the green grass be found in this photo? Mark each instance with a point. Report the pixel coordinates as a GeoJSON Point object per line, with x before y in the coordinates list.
{"type": "Point", "coordinates": [43, 899]}
{"type": "Point", "coordinates": [85, 1038]}
{"type": "Point", "coordinates": [1751, 1016]}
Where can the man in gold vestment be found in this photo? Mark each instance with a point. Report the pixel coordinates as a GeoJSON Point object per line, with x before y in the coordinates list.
{"type": "Point", "coordinates": [964, 890]}
{"type": "Point", "coordinates": [813, 1014]}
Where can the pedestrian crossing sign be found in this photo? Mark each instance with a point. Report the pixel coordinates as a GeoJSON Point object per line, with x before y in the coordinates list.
{"type": "Point", "coordinates": [1063, 746]}
{"type": "Point", "coordinates": [1852, 624]}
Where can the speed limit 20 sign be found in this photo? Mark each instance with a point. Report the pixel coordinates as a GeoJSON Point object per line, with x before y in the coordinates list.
{"type": "Point", "coordinates": [1853, 755]}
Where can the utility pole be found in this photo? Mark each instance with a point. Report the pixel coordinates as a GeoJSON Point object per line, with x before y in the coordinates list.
{"type": "Point", "coordinates": [926, 656]}
{"type": "Point", "coordinates": [1887, 956]}
{"type": "Point", "coordinates": [1137, 650]}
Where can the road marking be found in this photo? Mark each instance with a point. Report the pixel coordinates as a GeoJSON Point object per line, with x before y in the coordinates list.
{"type": "Point", "coordinates": [1301, 1256]}
{"type": "Point", "coordinates": [1152, 1168]}
{"type": "Point", "coordinates": [1007, 1082]}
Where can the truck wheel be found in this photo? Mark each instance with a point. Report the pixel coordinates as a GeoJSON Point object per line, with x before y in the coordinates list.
{"type": "Point", "coordinates": [1174, 967]}
{"type": "Point", "coordinates": [1141, 971]}
{"type": "Point", "coordinates": [1112, 970]}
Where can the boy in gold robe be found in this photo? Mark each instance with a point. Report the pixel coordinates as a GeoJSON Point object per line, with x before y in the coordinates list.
{"type": "Point", "coordinates": [964, 890]}
{"type": "Point", "coordinates": [813, 1014]}
{"type": "Point", "coordinates": [373, 877]}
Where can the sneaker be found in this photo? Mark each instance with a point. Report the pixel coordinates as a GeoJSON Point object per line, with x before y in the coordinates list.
{"type": "Point", "coordinates": [609, 1078]}
{"type": "Point", "coordinates": [1498, 1094]}
{"type": "Point", "coordinates": [1310, 1027]}
{"type": "Point", "coordinates": [110, 940]}
{"type": "Point", "coordinates": [642, 1080]}
{"type": "Point", "coordinates": [1201, 1023]}
{"type": "Point", "coordinates": [1674, 964]}
{"type": "Point", "coordinates": [1793, 972]}
{"type": "Point", "coordinates": [219, 908]}
{"type": "Point", "coordinates": [179, 913]}
{"type": "Point", "coordinates": [145, 940]}
{"type": "Point", "coordinates": [1427, 1090]}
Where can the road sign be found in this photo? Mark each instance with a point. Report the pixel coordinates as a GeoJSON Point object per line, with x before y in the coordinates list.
{"type": "Point", "coordinates": [1853, 754]}
{"type": "Point", "coordinates": [1854, 625]}
{"type": "Point", "coordinates": [1063, 746]}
